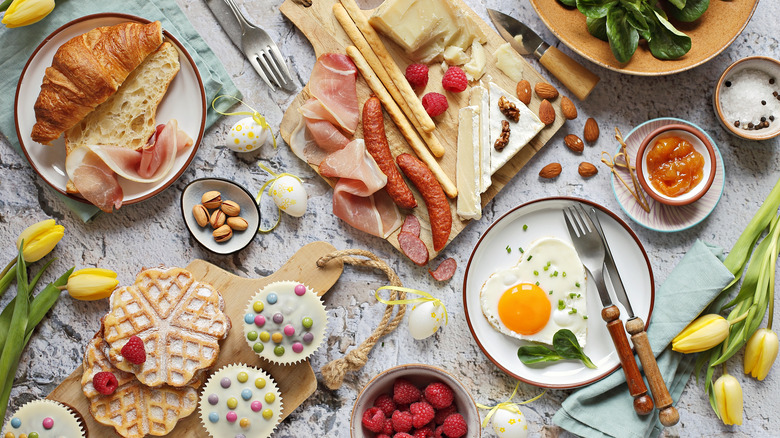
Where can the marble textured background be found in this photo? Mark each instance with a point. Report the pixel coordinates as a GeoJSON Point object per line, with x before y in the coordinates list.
{"type": "Point", "coordinates": [152, 232]}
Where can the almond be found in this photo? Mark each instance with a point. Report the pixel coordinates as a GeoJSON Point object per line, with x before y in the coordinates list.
{"type": "Point", "coordinates": [524, 91]}
{"type": "Point", "coordinates": [568, 109]}
{"type": "Point", "coordinates": [574, 143]}
{"type": "Point", "coordinates": [546, 112]}
{"type": "Point", "coordinates": [545, 91]}
{"type": "Point", "coordinates": [587, 170]}
{"type": "Point", "coordinates": [591, 132]}
{"type": "Point", "coordinates": [551, 170]}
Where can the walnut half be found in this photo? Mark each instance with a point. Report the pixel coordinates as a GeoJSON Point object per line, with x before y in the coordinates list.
{"type": "Point", "coordinates": [502, 139]}
{"type": "Point", "coordinates": [509, 109]}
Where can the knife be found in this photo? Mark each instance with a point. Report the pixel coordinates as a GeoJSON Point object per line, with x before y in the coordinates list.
{"type": "Point", "coordinates": [636, 327]}
{"type": "Point", "coordinates": [579, 80]}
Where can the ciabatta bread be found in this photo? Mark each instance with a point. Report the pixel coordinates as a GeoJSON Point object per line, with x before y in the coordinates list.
{"type": "Point", "coordinates": [86, 71]}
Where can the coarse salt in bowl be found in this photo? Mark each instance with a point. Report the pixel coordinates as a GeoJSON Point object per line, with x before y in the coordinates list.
{"type": "Point", "coordinates": [747, 98]}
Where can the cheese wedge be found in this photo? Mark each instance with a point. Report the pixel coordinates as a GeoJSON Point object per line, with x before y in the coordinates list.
{"type": "Point", "coordinates": [520, 132]}
{"type": "Point", "coordinates": [469, 205]}
{"type": "Point", "coordinates": [509, 62]}
{"type": "Point", "coordinates": [481, 99]}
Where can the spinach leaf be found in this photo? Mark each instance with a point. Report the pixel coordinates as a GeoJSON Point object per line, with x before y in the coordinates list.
{"type": "Point", "coordinates": [595, 8]}
{"type": "Point", "coordinates": [666, 42]}
{"type": "Point", "coordinates": [597, 27]}
{"type": "Point", "coordinates": [571, 3]}
{"type": "Point", "coordinates": [678, 4]}
{"type": "Point", "coordinates": [529, 354]}
{"type": "Point", "coordinates": [565, 344]}
{"type": "Point", "coordinates": [636, 18]}
{"type": "Point", "coordinates": [623, 38]}
{"type": "Point", "coordinates": [692, 10]}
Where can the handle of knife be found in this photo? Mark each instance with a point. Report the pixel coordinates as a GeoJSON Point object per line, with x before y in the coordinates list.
{"type": "Point", "coordinates": [643, 404]}
{"type": "Point", "coordinates": [578, 79]}
{"type": "Point", "coordinates": [663, 400]}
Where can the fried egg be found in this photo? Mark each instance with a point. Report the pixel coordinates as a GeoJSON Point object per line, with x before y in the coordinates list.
{"type": "Point", "coordinates": [543, 293]}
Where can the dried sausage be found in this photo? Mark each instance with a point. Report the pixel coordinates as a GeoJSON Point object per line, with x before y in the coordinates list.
{"type": "Point", "coordinates": [432, 193]}
{"type": "Point", "coordinates": [445, 270]}
{"type": "Point", "coordinates": [376, 144]}
{"type": "Point", "coordinates": [413, 247]}
{"type": "Point", "coordinates": [411, 225]}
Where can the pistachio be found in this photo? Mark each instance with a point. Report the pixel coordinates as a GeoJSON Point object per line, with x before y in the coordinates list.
{"type": "Point", "coordinates": [201, 215]}
{"type": "Point", "coordinates": [237, 223]}
{"type": "Point", "coordinates": [212, 199]}
{"type": "Point", "coordinates": [217, 219]}
{"type": "Point", "coordinates": [231, 208]}
{"type": "Point", "coordinates": [223, 234]}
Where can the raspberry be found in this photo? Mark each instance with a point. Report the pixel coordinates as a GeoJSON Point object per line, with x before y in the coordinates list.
{"type": "Point", "coordinates": [435, 104]}
{"type": "Point", "coordinates": [417, 75]}
{"type": "Point", "coordinates": [423, 433]}
{"type": "Point", "coordinates": [454, 426]}
{"type": "Point", "coordinates": [402, 435]}
{"type": "Point", "coordinates": [442, 414]}
{"type": "Point", "coordinates": [439, 395]}
{"type": "Point", "coordinates": [454, 80]}
{"type": "Point", "coordinates": [386, 404]}
{"type": "Point", "coordinates": [387, 429]}
{"type": "Point", "coordinates": [402, 421]}
{"type": "Point", "coordinates": [134, 350]}
{"type": "Point", "coordinates": [105, 382]}
{"type": "Point", "coordinates": [374, 419]}
{"type": "Point", "coordinates": [404, 392]}
{"type": "Point", "coordinates": [383, 435]}
{"type": "Point", "coordinates": [422, 414]}
{"type": "Point", "coordinates": [438, 433]}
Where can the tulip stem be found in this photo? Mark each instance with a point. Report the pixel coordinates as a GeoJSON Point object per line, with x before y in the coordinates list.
{"type": "Point", "coordinates": [8, 267]}
{"type": "Point", "coordinates": [738, 319]}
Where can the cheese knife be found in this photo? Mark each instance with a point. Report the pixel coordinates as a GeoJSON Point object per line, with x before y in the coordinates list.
{"type": "Point", "coordinates": [636, 327]}
{"type": "Point", "coordinates": [578, 79]}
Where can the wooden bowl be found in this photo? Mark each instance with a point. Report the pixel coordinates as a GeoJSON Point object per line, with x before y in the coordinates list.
{"type": "Point", "coordinates": [770, 66]}
{"type": "Point", "coordinates": [700, 143]}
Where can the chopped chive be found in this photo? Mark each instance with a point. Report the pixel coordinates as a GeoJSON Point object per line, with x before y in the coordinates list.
{"type": "Point", "coordinates": [564, 273]}
{"type": "Point", "coordinates": [536, 272]}
{"type": "Point", "coordinates": [577, 284]}
{"type": "Point", "coordinates": [572, 311]}
{"type": "Point", "coordinates": [572, 295]}
{"type": "Point", "coordinates": [521, 250]}
{"type": "Point", "coordinates": [537, 283]}
{"type": "Point", "coordinates": [547, 267]}
{"type": "Point", "coordinates": [550, 293]}
{"type": "Point", "coordinates": [529, 258]}
{"type": "Point", "coordinates": [555, 273]}
{"type": "Point", "coordinates": [578, 295]}
{"type": "Point", "coordinates": [584, 316]}
{"type": "Point", "coordinates": [561, 305]}
{"type": "Point", "coordinates": [525, 227]}
{"type": "Point", "coordinates": [508, 249]}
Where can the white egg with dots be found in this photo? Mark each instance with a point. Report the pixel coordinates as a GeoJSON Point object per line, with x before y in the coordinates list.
{"type": "Point", "coordinates": [543, 293]}
{"type": "Point", "coordinates": [509, 424]}
{"type": "Point", "coordinates": [246, 136]}
{"type": "Point", "coordinates": [425, 319]}
{"type": "Point", "coordinates": [289, 195]}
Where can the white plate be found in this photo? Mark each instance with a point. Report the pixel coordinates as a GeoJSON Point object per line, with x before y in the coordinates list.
{"type": "Point", "coordinates": [185, 102]}
{"type": "Point", "coordinates": [544, 218]}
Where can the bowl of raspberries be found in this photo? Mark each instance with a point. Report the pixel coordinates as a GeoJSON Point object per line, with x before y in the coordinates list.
{"type": "Point", "coordinates": [414, 401]}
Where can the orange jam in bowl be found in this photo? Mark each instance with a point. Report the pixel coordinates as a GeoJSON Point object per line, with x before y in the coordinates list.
{"type": "Point", "coordinates": [674, 167]}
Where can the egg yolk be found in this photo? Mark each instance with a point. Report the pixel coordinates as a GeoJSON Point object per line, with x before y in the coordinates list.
{"type": "Point", "coordinates": [524, 309]}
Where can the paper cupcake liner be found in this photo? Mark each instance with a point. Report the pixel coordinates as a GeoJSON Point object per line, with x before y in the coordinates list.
{"type": "Point", "coordinates": [293, 308]}
{"type": "Point", "coordinates": [69, 422]}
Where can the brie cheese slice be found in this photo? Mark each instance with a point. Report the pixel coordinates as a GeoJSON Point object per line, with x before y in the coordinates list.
{"type": "Point", "coordinates": [469, 205]}
{"type": "Point", "coordinates": [481, 99]}
{"type": "Point", "coordinates": [520, 132]}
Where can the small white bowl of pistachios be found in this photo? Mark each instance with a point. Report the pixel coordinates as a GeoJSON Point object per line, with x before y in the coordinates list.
{"type": "Point", "coordinates": [220, 214]}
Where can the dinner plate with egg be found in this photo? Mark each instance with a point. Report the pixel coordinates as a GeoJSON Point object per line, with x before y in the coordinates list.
{"type": "Point", "coordinates": [524, 281]}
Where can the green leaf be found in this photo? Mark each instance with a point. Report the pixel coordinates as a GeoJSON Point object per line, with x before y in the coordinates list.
{"type": "Point", "coordinates": [597, 27]}
{"type": "Point", "coordinates": [570, 3]}
{"type": "Point", "coordinates": [530, 354]}
{"type": "Point", "coordinates": [678, 4]}
{"type": "Point", "coordinates": [595, 8]}
{"type": "Point", "coordinates": [623, 38]}
{"type": "Point", "coordinates": [12, 350]}
{"type": "Point", "coordinates": [666, 42]}
{"type": "Point", "coordinates": [691, 11]}
{"type": "Point", "coordinates": [565, 343]}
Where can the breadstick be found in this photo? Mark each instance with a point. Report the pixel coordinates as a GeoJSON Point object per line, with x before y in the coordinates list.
{"type": "Point", "coordinates": [360, 42]}
{"type": "Point", "coordinates": [400, 120]}
{"type": "Point", "coordinates": [392, 68]}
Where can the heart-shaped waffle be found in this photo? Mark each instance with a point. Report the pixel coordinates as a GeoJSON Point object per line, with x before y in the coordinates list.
{"type": "Point", "coordinates": [179, 320]}
{"type": "Point", "coordinates": [133, 409]}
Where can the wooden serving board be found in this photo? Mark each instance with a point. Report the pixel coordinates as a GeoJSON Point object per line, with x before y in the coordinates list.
{"type": "Point", "coordinates": [320, 26]}
{"type": "Point", "coordinates": [296, 382]}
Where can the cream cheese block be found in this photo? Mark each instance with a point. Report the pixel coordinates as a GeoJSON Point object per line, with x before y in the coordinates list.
{"type": "Point", "coordinates": [521, 132]}
{"type": "Point", "coordinates": [469, 204]}
{"type": "Point", "coordinates": [481, 99]}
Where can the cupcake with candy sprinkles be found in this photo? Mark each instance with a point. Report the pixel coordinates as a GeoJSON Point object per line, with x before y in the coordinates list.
{"type": "Point", "coordinates": [284, 322]}
{"type": "Point", "coordinates": [240, 401]}
{"type": "Point", "coordinates": [44, 419]}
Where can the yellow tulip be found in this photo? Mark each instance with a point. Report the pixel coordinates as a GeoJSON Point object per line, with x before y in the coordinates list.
{"type": "Point", "coordinates": [702, 334]}
{"type": "Point", "coordinates": [92, 284]}
{"type": "Point", "coordinates": [760, 353]}
{"type": "Point", "coordinates": [728, 398]}
{"type": "Point", "coordinates": [39, 239]}
{"type": "Point", "coordinates": [24, 12]}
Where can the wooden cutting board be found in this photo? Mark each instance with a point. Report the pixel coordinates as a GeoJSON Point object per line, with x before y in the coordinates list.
{"type": "Point", "coordinates": [296, 382]}
{"type": "Point", "coordinates": [321, 28]}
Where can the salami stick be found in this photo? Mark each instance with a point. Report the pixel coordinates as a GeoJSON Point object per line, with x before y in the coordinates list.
{"type": "Point", "coordinates": [438, 207]}
{"type": "Point", "coordinates": [403, 125]}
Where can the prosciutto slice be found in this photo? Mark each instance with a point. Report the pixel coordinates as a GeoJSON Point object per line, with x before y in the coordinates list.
{"type": "Point", "coordinates": [356, 164]}
{"type": "Point", "coordinates": [96, 182]}
{"type": "Point", "coordinates": [333, 82]}
{"type": "Point", "coordinates": [323, 131]}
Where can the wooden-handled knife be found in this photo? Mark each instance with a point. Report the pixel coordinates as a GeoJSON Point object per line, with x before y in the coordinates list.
{"type": "Point", "coordinates": [578, 79]}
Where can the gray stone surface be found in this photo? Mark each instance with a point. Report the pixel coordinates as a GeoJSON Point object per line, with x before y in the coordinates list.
{"type": "Point", "coordinates": [152, 232]}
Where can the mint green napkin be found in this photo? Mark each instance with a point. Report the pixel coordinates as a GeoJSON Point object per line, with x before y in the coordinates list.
{"type": "Point", "coordinates": [605, 409]}
{"type": "Point", "coordinates": [18, 44]}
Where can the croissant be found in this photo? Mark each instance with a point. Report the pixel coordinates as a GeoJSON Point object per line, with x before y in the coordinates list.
{"type": "Point", "coordinates": [86, 71]}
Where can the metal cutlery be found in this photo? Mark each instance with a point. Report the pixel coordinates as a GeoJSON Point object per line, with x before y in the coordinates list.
{"type": "Point", "coordinates": [591, 250]}
{"type": "Point", "coordinates": [636, 327]}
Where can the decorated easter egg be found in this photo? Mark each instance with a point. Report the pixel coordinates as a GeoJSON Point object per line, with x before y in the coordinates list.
{"type": "Point", "coordinates": [425, 319]}
{"type": "Point", "coordinates": [246, 135]}
{"type": "Point", "coordinates": [289, 195]}
{"type": "Point", "coordinates": [509, 424]}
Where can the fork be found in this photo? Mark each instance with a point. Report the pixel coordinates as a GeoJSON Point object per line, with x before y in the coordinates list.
{"type": "Point", "coordinates": [262, 52]}
{"type": "Point", "coordinates": [587, 241]}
